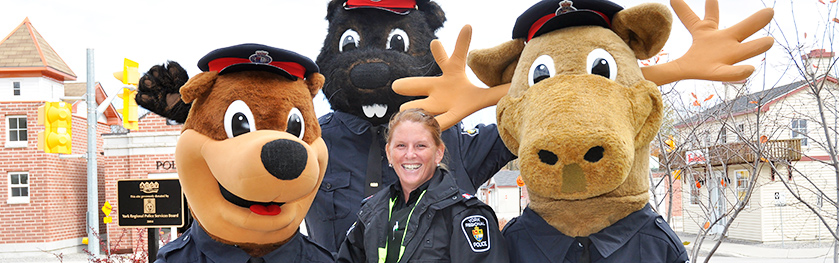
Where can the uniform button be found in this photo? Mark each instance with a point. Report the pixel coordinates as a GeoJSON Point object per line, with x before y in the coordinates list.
{"type": "Point", "coordinates": [451, 188]}
{"type": "Point", "coordinates": [659, 220]}
{"type": "Point", "coordinates": [579, 244]}
{"type": "Point", "coordinates": [328, 186]}
{"type": "Point", "coordinates": [454, 197]}
{"type": "Point", "coordinates": [186, 238]}
{"type": "Point", "coordinates": [428, 241]}
{"type": "Point", "coordinates": [429, 215]}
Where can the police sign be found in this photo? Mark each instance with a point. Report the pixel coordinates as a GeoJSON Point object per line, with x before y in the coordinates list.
{"type": "Point", "coordinates": [150, 203]}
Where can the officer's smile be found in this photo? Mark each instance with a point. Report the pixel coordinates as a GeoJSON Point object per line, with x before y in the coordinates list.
{"type": "Point", "coordinates": [262, 208]}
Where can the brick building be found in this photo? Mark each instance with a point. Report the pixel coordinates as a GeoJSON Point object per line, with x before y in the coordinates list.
{"type": "Point", "coordinates": [45, 194]}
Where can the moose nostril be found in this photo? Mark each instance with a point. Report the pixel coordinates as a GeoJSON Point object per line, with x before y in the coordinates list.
{"type": "Point", "coordinates": [284, 159]}
{"type": "Point", "coordinates": [547, 157]}
{"type": "Point", "coordinates": [594, 154]}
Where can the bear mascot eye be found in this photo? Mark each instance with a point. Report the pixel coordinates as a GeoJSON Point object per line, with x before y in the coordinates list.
{"type": "Point", "coordinates": [349, 41]}
{"type": "Point", "coordinates": [238, 119]}
{"type": "Point", "coordinates": [600, 62]}
{"type": "Point", "coordinates": [398, 40]}
{"type": "Point", "coordinates": [295, 125]}
{"type": "Point", "coordinates": [542, 68]}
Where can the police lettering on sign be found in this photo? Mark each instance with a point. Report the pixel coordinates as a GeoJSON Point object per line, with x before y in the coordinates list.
{"type": "Point", "coordinates": [476, 229]}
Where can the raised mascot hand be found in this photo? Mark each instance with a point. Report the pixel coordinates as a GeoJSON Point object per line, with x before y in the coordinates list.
{"type": "Point", "coordinates": [158, 91]}
{"type": "Point", "coordinates": [713, 52]}
{"type": "Point", "coordinates": [451, 96]}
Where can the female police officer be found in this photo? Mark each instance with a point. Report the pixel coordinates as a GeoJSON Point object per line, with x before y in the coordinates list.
{"type": "Point", "coordinates": [424, 216]}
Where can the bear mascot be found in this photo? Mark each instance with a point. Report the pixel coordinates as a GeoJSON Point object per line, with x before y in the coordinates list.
{"type": "Point", "coordinates": [250, 155]}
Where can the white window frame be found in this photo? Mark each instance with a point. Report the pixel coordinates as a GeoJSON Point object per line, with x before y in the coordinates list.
{"type": "Point", "coordinates": [18, 199]}
{"type": "Point", "coordinates": [723, 135]}
{"type": "Point", "coordinates": [797, 131]}
{"type": "Point", "coordinates": [741, 186]}
{"type": "Point", "coordinates": [8, 130]}
{"type": "Point", "coordinates": [16, 87]}
{"type": "Point", "coordinates": [740, 131]}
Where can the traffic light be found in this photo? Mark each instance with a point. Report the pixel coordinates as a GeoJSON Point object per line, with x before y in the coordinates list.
{"type": "Point", "coordinates": [129, 109]}
{"type": "Point", "coordinates": [58, 127]}
{"type": "Point", "coordinates": [129, 76]}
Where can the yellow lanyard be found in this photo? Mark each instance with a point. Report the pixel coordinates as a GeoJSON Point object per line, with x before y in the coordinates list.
{"type": "Point", "coordinates": [383, 250]}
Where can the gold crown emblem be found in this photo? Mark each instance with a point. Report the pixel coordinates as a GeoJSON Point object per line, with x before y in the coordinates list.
{"type": "Point", "coordinates": [149, 187]}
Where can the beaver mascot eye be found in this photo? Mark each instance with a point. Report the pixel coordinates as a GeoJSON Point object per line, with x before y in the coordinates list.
{"type": "Point", "coordinates": [398, 40]}
{"type": "Point", "coordinates": [295, 125]}
{"type": "Point", "coordinates": [542, 68]}
{"type": "Point", "coordinates": [349, 41]}
{"type": "Point", "coordinates": [600, 62]}
{"type": "Point", "coordinates": [238, 119]}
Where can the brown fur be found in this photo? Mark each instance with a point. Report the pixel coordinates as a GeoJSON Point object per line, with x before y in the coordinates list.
{"type": "Point", "coordinates": [208, 158]}
{"type": "Point", "coordinates": [574, 112]}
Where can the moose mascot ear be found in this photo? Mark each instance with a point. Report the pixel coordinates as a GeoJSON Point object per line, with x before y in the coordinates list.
{"type": "Point", "coordinates": [645, 28]}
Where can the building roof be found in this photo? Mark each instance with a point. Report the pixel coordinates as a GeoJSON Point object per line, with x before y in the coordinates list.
{"type": "Point", "coordinates": [25, 50]}
{"type": "Point", "coordinates": [749, 103]}
{"type": "Point", "coordinates": [506, 178]}
{"type": "Point", "coordinates": [75, 89]}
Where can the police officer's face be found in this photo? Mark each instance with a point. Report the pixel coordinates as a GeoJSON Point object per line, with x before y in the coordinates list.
{"type": "Point", "coordinates": [413, 154]}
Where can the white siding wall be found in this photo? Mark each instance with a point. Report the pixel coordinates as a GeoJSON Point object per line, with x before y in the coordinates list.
{"type": "Point", "coordinates": [31, 89]}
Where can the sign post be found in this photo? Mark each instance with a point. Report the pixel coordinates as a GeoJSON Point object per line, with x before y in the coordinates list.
{"type": "Point", "coordinates": [152, 204]}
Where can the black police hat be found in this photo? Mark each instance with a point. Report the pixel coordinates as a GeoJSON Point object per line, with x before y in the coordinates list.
{"type": "Point", "coordinates": [401, 7]}
{"type": "Point", "coordinates": [250, 57]}
{"type": "Point", "coordinates": [550, 15]}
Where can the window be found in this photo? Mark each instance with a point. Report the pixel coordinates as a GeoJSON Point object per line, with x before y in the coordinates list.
{"type": "Point", "coordinates": [741, 132]}
{"type": "Point", "coordinates": [694, 189]}
{"type": "Point", "coordinates": [17, 131]}
{"type": "Point", "coordinates": [18, 188]}
{"type": "Point", "coordinates": [742, 177]}
{"type": "Point", "coordinates": [16, 88]}
{"type": "Point", "coordinates": [799, 130]}
{"type": "Point", "coordinates": [723, 135]}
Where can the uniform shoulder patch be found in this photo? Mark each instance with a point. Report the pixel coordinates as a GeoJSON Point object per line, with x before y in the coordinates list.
{"type": "Point", "coordinates": [467, 196]}
{"type": "Point", "coordinates": [470, 132]}
{"type": "Point", "coordinates": [476, 229]}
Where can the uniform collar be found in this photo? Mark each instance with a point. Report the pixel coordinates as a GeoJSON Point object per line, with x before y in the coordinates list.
{"type": "Point", "coordinates": [220, 252]}
{"type": "Point", "coordinates": [355, 124]}
{"type": "Point", "coordinates": [613, 237]}
{"type": "Point", "coordinates": [553, 243]}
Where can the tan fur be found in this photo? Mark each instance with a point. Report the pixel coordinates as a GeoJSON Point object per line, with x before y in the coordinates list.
{"type": "Point", "coordinates": [575, 112]}
{"type": "Point", "coordinates": [207, 158]}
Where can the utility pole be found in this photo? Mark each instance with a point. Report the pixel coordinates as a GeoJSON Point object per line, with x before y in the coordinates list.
{"type": "Point", "coordinates": [92, 181]}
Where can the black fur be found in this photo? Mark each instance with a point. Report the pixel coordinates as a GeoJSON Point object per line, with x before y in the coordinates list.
{"type": "Point", "coordinates": [362, 76]}
{"type": "Point", "coordinates": [159, 91]}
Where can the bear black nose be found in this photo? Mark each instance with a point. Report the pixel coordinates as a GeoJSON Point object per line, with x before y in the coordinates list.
{"type": "Point", "coordinates": [594, 154]}
{"type": "Point", "coordinates": [284, 159]}
{"type": "Point", "coordinates": [547, 157]}
{"type": "Point", "coordinates": [370, 75]}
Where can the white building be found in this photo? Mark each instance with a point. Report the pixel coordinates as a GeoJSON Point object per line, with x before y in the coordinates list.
{"type": "Point", "coordinates": [718, 160]}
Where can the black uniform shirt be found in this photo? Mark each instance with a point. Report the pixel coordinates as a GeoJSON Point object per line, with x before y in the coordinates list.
{"type": "Point", "coordinates": [399, 217]}
{"type": "Point", "coordinates": [195, 245]}
{"type": "Point", "coordinates": [642, 236]}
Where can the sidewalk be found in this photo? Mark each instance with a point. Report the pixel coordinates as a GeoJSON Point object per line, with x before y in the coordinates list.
{"type": "Point", "coordinates": [751, 249]}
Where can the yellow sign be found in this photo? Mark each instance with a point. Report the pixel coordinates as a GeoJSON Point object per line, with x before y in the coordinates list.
{"type": "Point", "coordinates": [107, 210]}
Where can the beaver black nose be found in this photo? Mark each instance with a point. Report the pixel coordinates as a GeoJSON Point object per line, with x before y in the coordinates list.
{"type": "Point", "coordinates": [370, 75]}
{"type": "Point", "coordinates": [284, 159]}
{"type": "Point", "coordinates": [594, 154]}
{"type": "Point", "coordinates": [547, 157]}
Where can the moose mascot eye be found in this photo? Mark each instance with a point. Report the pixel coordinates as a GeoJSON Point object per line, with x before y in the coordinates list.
{"type": "Point", "coordinates": [349, 41]}
{"type": "Point", "coordinates": [602, 63]}
{"type": "Point", "coordinates": [398, 40]}
{"type": "Point", "coordinates": [542, 68]}
{"type": "Point", "coordinates": [238, 119]}
{"type": "Point", "coordinates": [295, 124]}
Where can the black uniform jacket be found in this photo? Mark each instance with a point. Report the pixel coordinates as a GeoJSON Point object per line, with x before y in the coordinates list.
{"type": "Point", "coordinates": [196, 246]}
{"type": "Point", "coordinates": [473, 156]}
{"type": "Point", "coordinates": [642, 236]}
{"type": "Point", "coordinates": [448, 225]}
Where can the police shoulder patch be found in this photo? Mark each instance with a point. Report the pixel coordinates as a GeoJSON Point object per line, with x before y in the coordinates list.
{"type": "Point", "coordinates": [470, 132]}
{"type": "Point", "coordinates": [476, 229]}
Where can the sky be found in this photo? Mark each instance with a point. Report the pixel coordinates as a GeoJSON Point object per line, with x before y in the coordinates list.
{"type": "Point", "coordinates": [155, 31]}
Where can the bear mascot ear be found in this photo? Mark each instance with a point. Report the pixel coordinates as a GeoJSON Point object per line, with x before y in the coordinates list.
{"type": "Point", "coordinates": [158, 91]}
{"type": "Point", "coordinates": [197, 87]}
{"type": "Point", "coordinates": [314, 82]}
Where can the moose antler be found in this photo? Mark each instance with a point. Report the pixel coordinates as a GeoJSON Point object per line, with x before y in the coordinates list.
{"type": "Point", "coordinates": [713, 52]}
{"type": "Point", "coordinates": [451, 96]}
